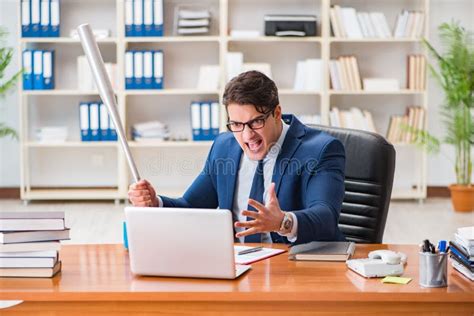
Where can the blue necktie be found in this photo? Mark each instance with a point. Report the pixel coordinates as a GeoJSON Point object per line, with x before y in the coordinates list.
{"type": "Point", "coordinates": [256, 193]}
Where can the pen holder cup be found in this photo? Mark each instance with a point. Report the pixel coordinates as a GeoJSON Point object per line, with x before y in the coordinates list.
{"type": "Point", "coordinates": [433, 269]}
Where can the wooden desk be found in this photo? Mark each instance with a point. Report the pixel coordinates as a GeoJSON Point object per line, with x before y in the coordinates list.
{"type": "Point", "coordinates": [96, 279]}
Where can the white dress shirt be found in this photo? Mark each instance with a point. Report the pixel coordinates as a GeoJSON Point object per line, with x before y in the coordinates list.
{"type": "Point", "coordinates": [244, 185]}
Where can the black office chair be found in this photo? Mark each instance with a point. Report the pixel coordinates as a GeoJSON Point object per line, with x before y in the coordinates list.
{"type": "Point", "coordinates": [370, 165]}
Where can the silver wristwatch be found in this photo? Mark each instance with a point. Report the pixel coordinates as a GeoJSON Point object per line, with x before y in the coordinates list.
{"type": "Point", "coordinates": [286, 224]}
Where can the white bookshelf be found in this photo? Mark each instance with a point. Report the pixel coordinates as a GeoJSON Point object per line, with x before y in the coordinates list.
{"type": "Point", "coordinates": [181, 71]}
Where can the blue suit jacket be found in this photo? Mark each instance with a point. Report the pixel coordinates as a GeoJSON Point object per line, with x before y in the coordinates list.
{"type": "Point", "coordinates": [308, 174]}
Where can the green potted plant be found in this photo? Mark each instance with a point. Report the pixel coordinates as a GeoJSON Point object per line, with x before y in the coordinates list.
{"type": "Point", "coordinates": [455, 74]}
{"type": "Point", "coordinates": [6, 54]}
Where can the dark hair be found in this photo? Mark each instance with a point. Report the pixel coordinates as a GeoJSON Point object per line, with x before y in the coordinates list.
{"type": "Point", "coordinates": [252, 87]}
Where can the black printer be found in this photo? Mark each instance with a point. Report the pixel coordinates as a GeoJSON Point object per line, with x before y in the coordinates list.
{"type": "Point", "coordinates": [290, 25]}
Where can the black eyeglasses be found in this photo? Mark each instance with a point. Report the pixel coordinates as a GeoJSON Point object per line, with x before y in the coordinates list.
{"type": "Point", "coordinates": [254, 124]}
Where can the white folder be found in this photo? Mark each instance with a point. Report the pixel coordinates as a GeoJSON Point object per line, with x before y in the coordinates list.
{"type": "Point", "coordinates": [158, 67]}
{"type": "Point", "coordinates": [206, 120]}
{"type": "Point", "coordinates": [148, 68]}
{"type": "Point", "coordinates": [104, 121]}
{"type": "Point", "coordinates": [47, 67]}
{"type": "Point", "coordinates": [148, 9]}
{"type": "Point", "coordinates": [45, 15]}
{"type": "Point", "coordinates": [84, 120]}
{"type": "Point", "coordinates": [25, 14]}
{"type": "Point", "coordinates": [35, 13]}
{"type": "Point", "coordinates": [138, 69]}
{"type": "Point", "coordinates": [138, 14]}
{"type": "Point", "coordinates": [55, 16]}
{"type": "Point", "coordinates": [158, 12]}
{"type": "Point", "coordinates": [129, 68]}
{"type": "Point", "coordinates": [128, 14]}
{"type": "Point", "coordinates": [94, 120]}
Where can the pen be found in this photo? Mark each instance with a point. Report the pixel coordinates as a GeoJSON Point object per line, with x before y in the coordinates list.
{"type": "Point", "coordinates": [426, 245]}
{"type": "Point", "coordinates": [442, 246]}
{"type": "Point", "coordinates": [246, 251]}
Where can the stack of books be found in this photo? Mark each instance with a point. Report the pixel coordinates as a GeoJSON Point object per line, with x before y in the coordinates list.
{"type": "Point", "coordinates": [346, 22]}
{"type": "Point", "coordinates": [409, 24]}
{"type": "Point", "coordinates": [193, 21]}
{"type": "Point", "coordinates": [462, 251]}
{"type": "Point", "coordinates": [353, 118]}
{"type": "Point", "coordinates": [30, 243]}
{"type": "Point", "coordinates": [150, 131]}
{"type": "Point", "coordinates": [416, 69]}
{"type": "Point", "coordinates": [400, 125]}
{"type": "Point", "coordinates": [345, 74]}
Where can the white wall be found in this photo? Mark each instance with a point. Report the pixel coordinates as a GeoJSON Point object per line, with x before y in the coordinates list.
{"type": "Point", "coordinates": [440, 171]}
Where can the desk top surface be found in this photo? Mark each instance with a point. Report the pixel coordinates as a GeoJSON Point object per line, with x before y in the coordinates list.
{"type": "Point", "coordinates": [102, 272]}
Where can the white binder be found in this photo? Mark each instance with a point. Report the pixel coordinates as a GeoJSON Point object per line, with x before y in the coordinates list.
{"type": "Point", "coordinates": [129, 81]}
{"type": "Point", "coordinates": [48, 80]}
{"type": "Point", "coordinates": [128, 18]}
{"type": "Point", "coordinates": [94, 121]}
{"type": "Point", "coordinates": [158, 70]}
{"type": "Point", "coordinates": [84, 121]}
{"type": "Point", "coordinates": [104, 122]}
{"type": "Point", "coordinates": [25, 18]}
{"type": "Point", "coordinates": [148, 69]}
{"type": "Point", "coordinates": [138, 17]}
{"type": "Point", "coordinates": [55, 18]}
{"type": "Point", "coordinates": [35, 17]}
{"type": "Point", "coordinates": [45, 20]}
{"type": "Point", "coordinates": [148, 17]}
{"type": "Point", "coordinates": [138, 69]}
{"type": "Point", "coordinates": [196, 120]}
{"type": "Point", "coordinates": [206, 120]}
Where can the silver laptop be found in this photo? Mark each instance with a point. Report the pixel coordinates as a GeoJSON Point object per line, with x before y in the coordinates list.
{"type": "Point", "coordinates": [180, 242]}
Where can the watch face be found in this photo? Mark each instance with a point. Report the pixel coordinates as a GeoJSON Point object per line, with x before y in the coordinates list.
{"type": "Point", "coordinates": [287, 225]}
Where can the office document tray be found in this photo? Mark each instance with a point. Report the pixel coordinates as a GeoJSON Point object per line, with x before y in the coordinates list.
{"type": "Point", "coordinates": [290, 25]}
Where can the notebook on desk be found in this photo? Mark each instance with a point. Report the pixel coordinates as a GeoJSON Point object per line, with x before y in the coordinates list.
{"type": "Point", "coordinates": [180, 242]}
{"type": "Point", "coordinates": [323, 251]}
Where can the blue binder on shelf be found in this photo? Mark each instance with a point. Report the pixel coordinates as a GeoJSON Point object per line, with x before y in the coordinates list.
{"type": "Point", "coordinates": [94, 119]}
{"type": "Point", "coordinates": [138, 69]}
{"type": "Point", "coordinates": [55, 18]}
{"type": "Point", "coordinates": [214, 119]}
{"type": "Point", "coordinates": [138, 17]}
{"type": "Point", "coordinates": [129, 72]}
{"type": "Point", "coordinates": [148, 18]}
{"type": "Point", "coordinates": [128, 18]}
{"type": "Point", "coordinates": [158, 69]}
{"type": "Point", "coordinates": [35, 26]}
{"type": "Point", "coordinates": [45, 19]}
{"type": "Point", "coordinates": [196, 120]}
{"type": "Point", "coordinates": [206, 121]}
{"type": "Point", "coordinates": [148, 80]}
{"type": "Point", "coordinates": [25, 18]}
{"type": "Point", "coordinates": [38, 80]}
{"type": "Point", "coordinates": [27, 70]}
{"type": "Point", "coordinates": [48, 70]}
{"type": "Point", "coordinates": [84, 121]}
{"type": "Point", "coordinates": [112, 131]}
{"type": "Point", "coordinates": [157, 18]}
{"type": "Point", "coordinates": [104, 122]}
